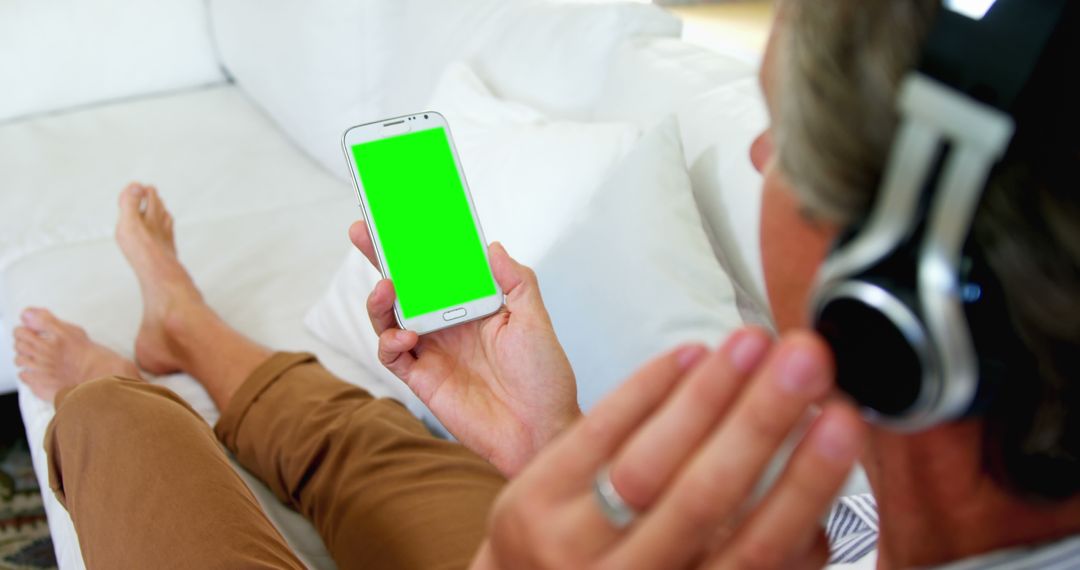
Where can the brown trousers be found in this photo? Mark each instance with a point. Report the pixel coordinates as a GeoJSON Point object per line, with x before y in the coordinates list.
{"type": "Point", "coordinates": [148, 485]}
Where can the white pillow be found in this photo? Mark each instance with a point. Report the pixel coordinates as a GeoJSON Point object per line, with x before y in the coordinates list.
{"type": "Point", "coordinates": [551, 56]}
{"type": "Point", "coordinates": [57, 54]}
{"type": "Point", "coordinates": [717, 131]}
{"type": "Point", "coordinates": [528, 174]}
{"type": "Point", "coordinates": [652, 77]}
{"type": "Point", "coordinates": [314, 66]}
{"type": "Point", "coordinates": [635, 275]}
{"type": "Point", "coordinates": [321, 66]}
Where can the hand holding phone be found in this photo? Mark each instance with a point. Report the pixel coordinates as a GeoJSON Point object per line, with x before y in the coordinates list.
{"type": "Point", "coordinates": [502, 385]}
{"type": "Point", "coordinates": [500, 382]}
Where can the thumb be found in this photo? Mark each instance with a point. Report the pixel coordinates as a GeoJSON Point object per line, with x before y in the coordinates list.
{"type": "Point", "coordinates": [517, 281]}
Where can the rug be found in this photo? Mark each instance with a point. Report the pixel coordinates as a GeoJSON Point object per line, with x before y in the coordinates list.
{"type": "Point", "coordinates": [25, 543]}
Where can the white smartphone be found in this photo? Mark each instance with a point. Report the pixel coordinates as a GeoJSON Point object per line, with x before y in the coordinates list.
{"type": "Point", "coordinates": [422, 221]}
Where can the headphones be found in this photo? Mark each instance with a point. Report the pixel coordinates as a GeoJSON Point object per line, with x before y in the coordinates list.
{"type": "Point", "coordinates": [916, 319]}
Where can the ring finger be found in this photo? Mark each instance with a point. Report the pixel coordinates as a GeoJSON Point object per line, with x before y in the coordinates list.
{"type": "Point", "coordinates": [662, 443]}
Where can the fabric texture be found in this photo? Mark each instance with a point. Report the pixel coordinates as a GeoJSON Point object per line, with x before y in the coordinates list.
{"type": "Point", "coordinates": [381, 490]}
{"type": "Point", "coordinates": [634, 274]}
{"type": "Point", "coordinates": [125, 446]}
{"type": "Point", "coordinates": [852, 529]}
{"type": "Point", "coordinates": [553, 56]}
{"type": "Point", "coordinates": [321, 67]}
{"type": "Point", "coordinates": [652, 76]}
{"type": "Point", "coordinates": [529, 173]}
{"type": "Point", "coordinates": [718, 129]}
{"type": "Point", "coordinates": [64, 53]}
{"type": "Point", "coordinates": [316, 67]}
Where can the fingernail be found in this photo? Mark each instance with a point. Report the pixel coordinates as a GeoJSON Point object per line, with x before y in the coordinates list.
{"type": "Point", "coordinates": [835, 441]}
{"type": "Point", "coordinates": [746, 351]}
{"type": "Point", "coordinates": [29, 317]}
{"type": "Point", "coordinates": [402, 336]}
{"type": "Point", "coordinates": [688, 356]}
{"type": "Point", "coordinates": [799, 371]}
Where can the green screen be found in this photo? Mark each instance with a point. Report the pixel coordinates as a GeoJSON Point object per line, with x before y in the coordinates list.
{"type": "Point", "coordinates": [417, 202]}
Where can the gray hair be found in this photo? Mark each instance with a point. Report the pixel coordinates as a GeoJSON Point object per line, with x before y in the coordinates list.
{"type": "Point", "coordinates": [840, 64]}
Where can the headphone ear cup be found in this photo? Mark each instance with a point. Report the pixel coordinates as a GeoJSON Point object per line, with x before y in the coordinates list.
{"type": "Point", "coordinates": [878, 362]}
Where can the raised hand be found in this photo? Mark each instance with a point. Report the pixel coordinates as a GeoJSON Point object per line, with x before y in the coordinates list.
{"type": "Point", "coordinates": [684, 443]}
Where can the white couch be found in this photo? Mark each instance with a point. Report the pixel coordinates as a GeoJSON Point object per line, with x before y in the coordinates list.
{"type": "Point", "coordinates": [234, 109]}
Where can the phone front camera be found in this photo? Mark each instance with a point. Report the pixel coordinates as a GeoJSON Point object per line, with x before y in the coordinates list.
{"type": "Point", "coordinates": [425, 116]}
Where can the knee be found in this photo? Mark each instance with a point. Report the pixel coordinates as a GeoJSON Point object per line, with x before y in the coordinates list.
{"type": "Point", "coordinates": [115, 399]}
{"type": "Point", "coordinates": [93, 394]}
{"type": "Point", "coordinates": [89, 413]}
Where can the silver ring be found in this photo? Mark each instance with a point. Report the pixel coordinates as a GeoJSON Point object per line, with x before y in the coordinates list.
{"type": "Point", "coordinates": [611, 503]}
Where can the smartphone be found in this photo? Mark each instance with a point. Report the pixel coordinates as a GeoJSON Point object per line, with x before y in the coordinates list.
{"type": "Point", "coordinates": [422, 221]}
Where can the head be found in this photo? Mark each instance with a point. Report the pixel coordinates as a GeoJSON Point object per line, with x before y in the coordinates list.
{"type": "Point", "coordinates": [830, 77]}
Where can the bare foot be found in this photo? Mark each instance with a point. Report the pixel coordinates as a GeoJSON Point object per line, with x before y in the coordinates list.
{"type": "Point", "coordinates": [52, 355]}
{"type": "Point", "coordinates": [170, 298]}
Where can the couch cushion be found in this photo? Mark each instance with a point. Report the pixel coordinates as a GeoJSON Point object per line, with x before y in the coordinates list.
{"type": "Point", "coordinates": [314, 65]}
{"type": "Point", "coordinates": [718, 129]}
{"type": "Point", "coordinates": [651, 77]}
{"type": "Point", "coordinates": [60, 54]}
{"type": "Point", "coordinates": [214, 155]}
{"type": "Point", "coordinates": [552, 56]}
{"type": "Point", "coordinates": [321, 66]}
{"type": "Point", "coordinates": [635, 275]}
{"type": "Point", "coordinates": [529, 173]}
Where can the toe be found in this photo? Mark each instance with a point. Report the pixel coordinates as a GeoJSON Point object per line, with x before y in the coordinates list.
{"type": "Point", "coordinates": [39, 384]}
{"type": "Point", "coordinates": [23, 362]}
{"type": "Point", "coordinates": [131, 199]}
{"type": "Point", "coordinates": [24, 334]}
{"type": "Point", "coordinates": [49, 329]}
{"type": "Point", "coordinates": [31, 377]}
{"type": "Point", "coordinates": [156, 211]}
{"type": "Point", "coordinates": [28, 344]}
{"type": "Point", "coordinates": [39, 320]}
{"type": "Point", "coordinates": [155, 208]}
{"type": "Point", "coordinates": [29, 348]}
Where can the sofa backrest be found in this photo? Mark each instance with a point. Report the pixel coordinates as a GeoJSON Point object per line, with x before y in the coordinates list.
{"type": "Point", "coordinates": [320, 66]}
{"type": "Point", "coordinates": [552, 56]}
{"type": "Point", "coordinates": [314, 66]}
{"type": "Point", "coordinates": [60, 54]}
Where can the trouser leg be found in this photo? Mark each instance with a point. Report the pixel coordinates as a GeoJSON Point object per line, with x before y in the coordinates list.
{"type": "Point", "coordinates": [148, 485]}
{"type": "Point", "coordinates": [382, 491]}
